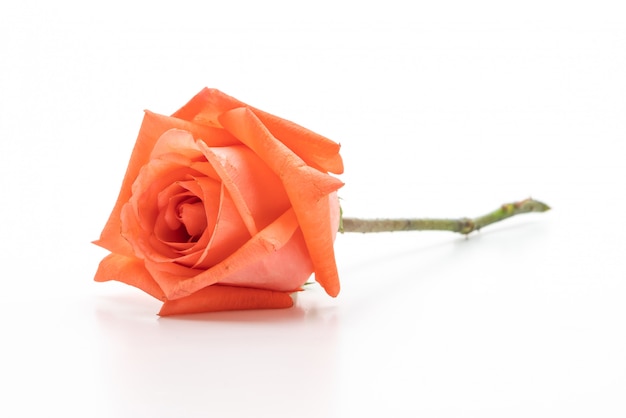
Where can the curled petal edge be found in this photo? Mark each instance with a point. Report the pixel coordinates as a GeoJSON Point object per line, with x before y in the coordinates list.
{"type": "Point", "coordinates": [129, 270]}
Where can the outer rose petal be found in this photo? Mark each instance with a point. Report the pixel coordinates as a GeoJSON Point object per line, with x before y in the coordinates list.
{"type": "Point", "coordinates": [284, 270]}
{"type": "Point", "coordinates": [307, 188]}
{"type": "Point", "coordinates": [226, 298]}
{"type": "Point", "coordinates": [317, 151]}
{"type": "Point", "coordinates": [129, 270]}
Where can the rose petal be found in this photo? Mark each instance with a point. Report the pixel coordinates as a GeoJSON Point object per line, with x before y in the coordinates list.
{"type": "Point", "coordinates": [256, 191]}
{"type": "Point", "coordinates": [316, 150]}
{"type": "Point", "coordinates": [228, 235]}
{"type": "Point", "coordinates": [193, 218]}
{"type": "Point", "coordinates": [285, 269]}
{"type": "Point", "coordinates": [176, 143]}
{"type": "Point", "coordinates": [206, 106]}
{"type": "Point", "coordinates": [226, 298]}
{"type": "Point", "coordinates": [266, 242]}
{"type": "Point", "coordinates": [168, 274]}
{"type": "Point", "coordinates": [307, 188]}
{"type": "Point", "coordinates": [129, 270]}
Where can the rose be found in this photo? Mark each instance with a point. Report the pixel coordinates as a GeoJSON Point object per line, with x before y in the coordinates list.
{"type": "Point", "coordinates": [224, 206]}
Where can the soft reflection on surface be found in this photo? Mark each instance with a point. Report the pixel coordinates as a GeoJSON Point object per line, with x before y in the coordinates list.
{"type": "Point", "coordinates": [260, 363]}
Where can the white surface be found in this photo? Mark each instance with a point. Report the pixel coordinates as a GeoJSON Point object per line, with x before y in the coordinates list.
{"type": "Point", "coordinates": [442, 109]}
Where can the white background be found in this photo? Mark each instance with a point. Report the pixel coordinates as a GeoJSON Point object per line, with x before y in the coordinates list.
{"type": "Point", "coordinates": [444, 108]}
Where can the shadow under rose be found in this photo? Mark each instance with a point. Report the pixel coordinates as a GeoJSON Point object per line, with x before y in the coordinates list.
{"type": "Point", "coordinates": [240, 363]}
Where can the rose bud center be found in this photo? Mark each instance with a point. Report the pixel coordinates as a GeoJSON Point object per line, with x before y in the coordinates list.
{"type": "Point", "coordinates": [192, 215]}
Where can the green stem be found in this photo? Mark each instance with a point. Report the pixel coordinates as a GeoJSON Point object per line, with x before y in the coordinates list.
{"type": "Point", "coordinates": [461, 225]}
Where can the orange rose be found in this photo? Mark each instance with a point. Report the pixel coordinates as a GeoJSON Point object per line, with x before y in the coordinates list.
{"type": "Point", "coordinates": [224, 206]}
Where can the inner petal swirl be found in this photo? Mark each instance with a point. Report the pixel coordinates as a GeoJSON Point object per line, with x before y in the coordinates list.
{"type": "Point", "coordinates": [192, 215]}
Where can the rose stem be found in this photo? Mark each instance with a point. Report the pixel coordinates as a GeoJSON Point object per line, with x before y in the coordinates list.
{"type": "Point", "coordinates": [461, 225]}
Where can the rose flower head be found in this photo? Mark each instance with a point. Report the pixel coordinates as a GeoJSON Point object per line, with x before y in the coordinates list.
{"type": "Point", "coordinates": [224, 207]}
